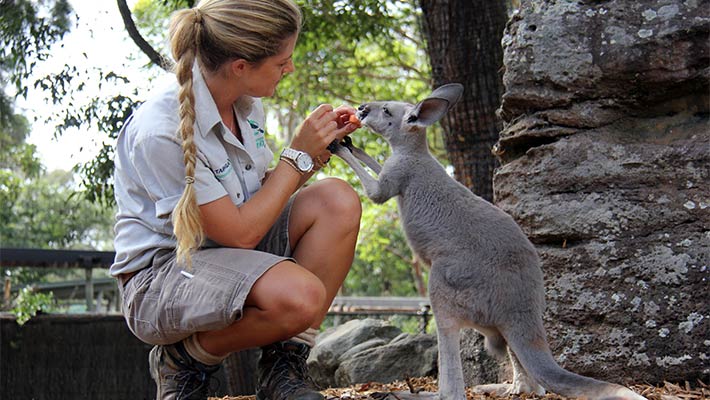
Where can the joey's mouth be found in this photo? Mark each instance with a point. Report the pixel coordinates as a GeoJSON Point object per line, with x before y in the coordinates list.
{"type": "Point", "coordinates": [364, 120]}
{"type": "Point", "coordinates": [362, 111]}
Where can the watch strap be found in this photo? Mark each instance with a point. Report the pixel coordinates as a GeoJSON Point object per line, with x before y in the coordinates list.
{"type": "Point", "coordinates": [290, 155]}
{"type": "Point", "coordinates": [292, 164]}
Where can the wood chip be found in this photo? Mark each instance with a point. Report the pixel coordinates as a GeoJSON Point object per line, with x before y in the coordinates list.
{"type": "Point", "coordinates": [380, 391]}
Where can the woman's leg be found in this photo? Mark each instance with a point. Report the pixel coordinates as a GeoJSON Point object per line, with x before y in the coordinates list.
{"type": "Point", "coordinates": [323, 229]}
{"type": "Point", "coordinates": [289, 297]}
{"type": "Point", "coordinates": [283, 302]}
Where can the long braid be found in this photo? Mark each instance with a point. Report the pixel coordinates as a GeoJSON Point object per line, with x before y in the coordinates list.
{"type": "Point", "coordinates": [185, 33]}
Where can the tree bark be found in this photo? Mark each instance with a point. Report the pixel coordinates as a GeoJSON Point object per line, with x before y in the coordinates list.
{"type": "Point", "coordinates": [463, 43]}
{"type": "Point", "coordinates": [146, 48]}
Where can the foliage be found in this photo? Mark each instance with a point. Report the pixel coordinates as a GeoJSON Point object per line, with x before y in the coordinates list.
{"type": "Point", "coordinates": [28, 28]}
{"type": "Point", "coordinates": [338, 61]}
{"type": "Point", "coordinates": [105, 112]}
{"type": "Point", "coordinates": [383, 265]}
{"type": "Point", "coordinates": [29, 303]}
{"type": "Point", "coordinates": [48, 212]}
{"type": "Point", "coordinates": [39, 210]}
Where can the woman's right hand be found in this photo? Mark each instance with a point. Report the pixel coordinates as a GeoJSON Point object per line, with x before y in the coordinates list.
{"type": "Point", "coordinates": [318, 130]}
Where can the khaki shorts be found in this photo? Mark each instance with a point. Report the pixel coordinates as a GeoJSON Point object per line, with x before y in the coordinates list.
{"type": "Point", "coordinates": [165, 303]}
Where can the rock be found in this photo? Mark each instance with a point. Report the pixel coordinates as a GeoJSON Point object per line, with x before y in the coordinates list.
{"type": "Point", "coordinates": [478, 365]}
{"type": "Point", "coordinates": [406, 356]}
{"type": "Point", "coordinates": [375, 342]}
{"type": "Point", "coordinates": [576, 65]}
{"type": "Point", "coordinates": [332, 344]}
{"type": "Point", "coordinates": [606, 151]}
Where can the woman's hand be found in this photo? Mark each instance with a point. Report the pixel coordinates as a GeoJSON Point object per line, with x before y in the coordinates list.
{"type": "Point", "coordinates": [322, 127]}
{"type": "Point", "coordinates": [344, 119]}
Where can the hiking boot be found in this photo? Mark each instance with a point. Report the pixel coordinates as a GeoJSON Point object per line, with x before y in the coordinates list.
{"type": "Point", "coordinates": [282, 373]}
{"type": "Point", "coordinates": [178, 375]}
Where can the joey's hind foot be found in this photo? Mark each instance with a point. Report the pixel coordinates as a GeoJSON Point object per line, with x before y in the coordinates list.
{"type": "Point", "coordinates": [406, 396]}
{"type": "Point", "coordinates": [505, 389]}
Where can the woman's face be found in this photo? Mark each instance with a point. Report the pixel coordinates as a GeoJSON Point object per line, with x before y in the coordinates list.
{"type": "Point", "coordinates": [263, 78]}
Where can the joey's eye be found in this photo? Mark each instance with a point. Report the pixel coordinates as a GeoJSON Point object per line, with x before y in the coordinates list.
{"type": "Point", "coordinates": [386, 111]}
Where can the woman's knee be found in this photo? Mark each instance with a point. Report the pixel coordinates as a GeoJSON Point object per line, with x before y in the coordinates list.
{"type": "Point", "coordinates": [293, 297]}
{"type": "Point", "coordinates": [301, 306]}
{"type": "Point", "coordinates": [305, 297]}
{"type": "Point", "coordinates": [339, 200]}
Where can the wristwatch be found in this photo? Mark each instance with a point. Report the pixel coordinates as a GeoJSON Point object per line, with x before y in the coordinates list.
{"type": "Point", "coordinates": [300, 160]}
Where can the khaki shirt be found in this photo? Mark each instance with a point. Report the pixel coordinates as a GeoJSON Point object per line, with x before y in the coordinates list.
{"type": "Point", "coordinates": [150, 173]}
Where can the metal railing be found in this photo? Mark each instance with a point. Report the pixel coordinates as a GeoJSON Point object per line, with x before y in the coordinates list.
{"type": "Point", "coordinates": [41, 258]}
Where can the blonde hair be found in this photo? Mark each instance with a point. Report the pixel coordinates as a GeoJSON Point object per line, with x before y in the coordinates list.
{"type": "Point", "coordinates": [213, 33]}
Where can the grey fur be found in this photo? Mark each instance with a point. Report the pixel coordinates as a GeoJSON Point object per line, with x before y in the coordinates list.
{"type": "Point", "coordinates": [485, 273]}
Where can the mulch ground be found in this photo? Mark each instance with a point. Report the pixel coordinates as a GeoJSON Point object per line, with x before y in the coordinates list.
{"type": "Point", "coordinates": [378, 391]}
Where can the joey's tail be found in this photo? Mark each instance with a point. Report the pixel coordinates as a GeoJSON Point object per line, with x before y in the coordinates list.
{"type": "Point", "coordinates": [536, 358]}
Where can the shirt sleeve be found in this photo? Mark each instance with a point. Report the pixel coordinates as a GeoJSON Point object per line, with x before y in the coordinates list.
{"type": "Point", "coordinates": [158, 161]}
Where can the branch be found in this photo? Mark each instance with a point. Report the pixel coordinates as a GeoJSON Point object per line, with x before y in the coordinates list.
{"type": "Point", "coordinates": [142, 44]}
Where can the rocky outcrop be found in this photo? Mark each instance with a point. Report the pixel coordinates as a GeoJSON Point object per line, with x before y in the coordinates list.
{"type": "Point", "coordinates": [606, 166]}
{"type": "Point", "coordinates": [370, 350]}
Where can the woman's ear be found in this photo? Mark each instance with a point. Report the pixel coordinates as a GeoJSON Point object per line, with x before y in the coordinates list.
{"type": "Point", "coordinates": [239, 66]}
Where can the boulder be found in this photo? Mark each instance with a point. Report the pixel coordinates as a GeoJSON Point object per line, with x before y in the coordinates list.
{"type": "Point", "coordinates": [405, 356]}
{"type": "Point", "coordinates": [330, 346]}
{"type": "Point", "coordinates": [370, 350]}
{"type": "Point", "coordinates": [606, 164]}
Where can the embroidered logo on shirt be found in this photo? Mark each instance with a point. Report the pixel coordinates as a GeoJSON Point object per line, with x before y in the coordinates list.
{"type": "Point", "coordinates": [258, 134]}
{"type": "Point", "coordinates": [222, 172]}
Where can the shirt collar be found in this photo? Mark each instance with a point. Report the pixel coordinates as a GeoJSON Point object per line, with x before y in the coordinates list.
{"type": "Point", "coordinates": [206, 112]}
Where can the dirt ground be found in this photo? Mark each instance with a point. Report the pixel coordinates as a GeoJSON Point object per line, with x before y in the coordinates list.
{"type": "Point", "coordinates": [377, 391]}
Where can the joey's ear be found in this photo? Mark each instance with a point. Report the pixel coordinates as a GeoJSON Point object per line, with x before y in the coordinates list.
{"type": "Point", "coordinates": [427, 112]}
{"type": "Point", "coordinates": [438, 103]}
{"type": "Point", "coordinates": [450, 92]}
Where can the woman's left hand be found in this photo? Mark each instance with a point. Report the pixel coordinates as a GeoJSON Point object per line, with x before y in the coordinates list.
{"type": "Point", "coordinates": [344, 112]}
{"type": "Point", "coordinates": [343, 120]}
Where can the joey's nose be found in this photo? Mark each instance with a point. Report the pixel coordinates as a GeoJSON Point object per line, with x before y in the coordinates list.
{"type": "Point", "coordinates": [363, 110]}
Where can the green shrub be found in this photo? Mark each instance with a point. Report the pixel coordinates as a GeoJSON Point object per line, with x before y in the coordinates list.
{"type": "Point", "coordinates": [28, 304]}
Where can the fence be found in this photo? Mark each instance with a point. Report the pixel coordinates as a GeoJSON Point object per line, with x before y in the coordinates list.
{"type": "Point", "coordinates": [40, 258]}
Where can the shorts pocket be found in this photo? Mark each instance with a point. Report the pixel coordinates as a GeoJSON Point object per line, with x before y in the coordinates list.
{"type": "Point", "coordinates": [202, 299]}
{"type": "Point", "coordinates": [139, 307]}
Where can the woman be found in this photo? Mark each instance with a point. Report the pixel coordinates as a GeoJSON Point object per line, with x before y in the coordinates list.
{"type": "Point", "coordinates": [215, 254]}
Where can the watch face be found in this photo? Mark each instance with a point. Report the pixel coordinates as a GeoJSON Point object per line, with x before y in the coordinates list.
{"type": "Point", "coordinates": [304, 162]}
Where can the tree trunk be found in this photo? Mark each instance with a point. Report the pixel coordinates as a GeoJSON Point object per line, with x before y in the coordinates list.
{"type": "Point", "coordinates": [463, 39]}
